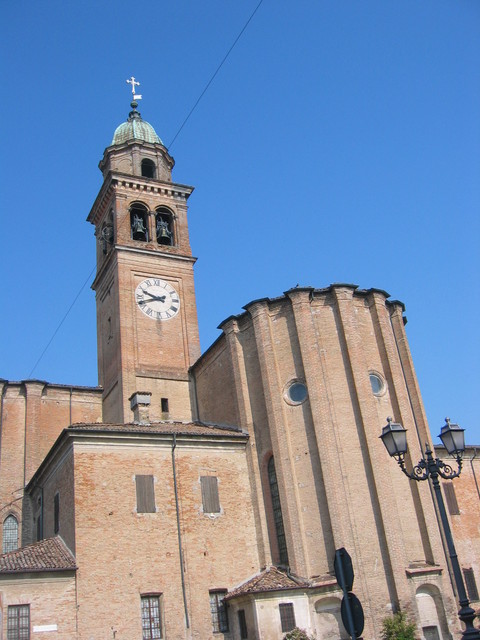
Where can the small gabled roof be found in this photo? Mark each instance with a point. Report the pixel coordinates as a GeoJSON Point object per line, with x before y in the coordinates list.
{"type": "Point", "coordinates": [270, 579]}
{"type": "Point", "coordinates": [51, 554]}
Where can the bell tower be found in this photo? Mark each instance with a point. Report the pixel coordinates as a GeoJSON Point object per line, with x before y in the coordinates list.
{"type": "Point", "coordinates": [147, 330]}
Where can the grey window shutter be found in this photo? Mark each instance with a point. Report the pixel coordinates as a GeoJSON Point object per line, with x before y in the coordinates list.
{"type": "Point", "coordinates": [451, 498]}
{"type": "Point", "coordinates": [211, 503]}
{"type": "Point", "coordinates": [145, 494]}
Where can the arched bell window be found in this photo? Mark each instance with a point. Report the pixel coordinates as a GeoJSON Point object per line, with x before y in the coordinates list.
{"type": "Point", "coordinates": [164, 227]}
{"type": "Point", "coordinates": [10, 534]}
{"type": "Point", "coordinates": [148, 168]}
{"type": "Point", "coordinates": [277, 513]}
{"type": "Point", "coordinates": [139, 222]}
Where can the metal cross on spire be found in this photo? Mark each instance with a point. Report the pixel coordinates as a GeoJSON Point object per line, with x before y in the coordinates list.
{"type": "Point", "coordinates": [133, 82]}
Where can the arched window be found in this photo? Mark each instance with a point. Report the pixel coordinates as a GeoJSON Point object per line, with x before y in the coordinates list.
{"type": "Point", "coordinates": [277, 513]}
{"type": "Point", "coordinates": [164, 227]}
{"type": "Point", "coordinates": [10, 534]}
{"type": "Point", "coordinates": [139, 222]}
{"type": "Point", "coordinates": [148, 168]}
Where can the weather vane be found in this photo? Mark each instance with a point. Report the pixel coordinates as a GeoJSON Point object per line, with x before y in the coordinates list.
{"type": "Point", "coordinates": [133, 82]}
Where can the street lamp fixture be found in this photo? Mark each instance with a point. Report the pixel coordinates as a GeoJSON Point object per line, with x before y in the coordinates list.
{"type": "Point", "coordinates": [394, 437]}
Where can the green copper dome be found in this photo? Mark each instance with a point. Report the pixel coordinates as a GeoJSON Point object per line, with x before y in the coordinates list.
{"type": "Point", "coordinates": [135, 129]}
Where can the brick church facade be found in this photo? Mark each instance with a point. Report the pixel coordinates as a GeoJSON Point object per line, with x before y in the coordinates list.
{"type": "Point", "coordinates": [204, 496]}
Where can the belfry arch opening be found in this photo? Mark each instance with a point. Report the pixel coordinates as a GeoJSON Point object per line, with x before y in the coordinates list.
{"type": "Point", "coordinates": [148, 168]}
{"type": "Point", "coordinates": [164, 227]}
{"type": "Point", "coordinates": [139, 222]}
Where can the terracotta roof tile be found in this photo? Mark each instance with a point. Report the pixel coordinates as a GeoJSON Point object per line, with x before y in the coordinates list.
{"type": "Point", "coordinates": [271, 579]}
{"type": "Point", "coordinates": [51, 554]}
{"type": "Point", "coordinates": [167, 427]}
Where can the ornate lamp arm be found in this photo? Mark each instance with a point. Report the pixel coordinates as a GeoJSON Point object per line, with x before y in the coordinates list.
{"type": "Point", "coordinates": [430, 467]}
{"type": "Point", "coordinates": [446, 471]}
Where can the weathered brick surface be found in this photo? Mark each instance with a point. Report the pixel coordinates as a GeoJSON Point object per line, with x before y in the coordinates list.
{"type": "Point", "coordinates": [338, 487]}
{"type": "Point", "coordinates": [33, 414]}
{"type": "Point", "coordinates": [52, 601]}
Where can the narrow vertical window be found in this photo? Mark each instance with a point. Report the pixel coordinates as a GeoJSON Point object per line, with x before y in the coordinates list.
{"type": "Point", "coordinates": [287, 616]}
{"type": "Point", "coordinates": [451, 498]}
{"type": "Point", "coordinates": [218, 609]}
{"type": "Point", "coordinates": [210, 500]}
{"type": "Point", "coordinates": [277, 513]}
{"type": "Point", "coordinates": [145, 494]}
{"type": "Point", "coordinates": [164, 405]}
{"type": "Point", "coordinates": [470, 584]}
{"type": "Point", "coordinates": [151, 618]}
{"type": "Point", "coordinates": [56, 513]}
{"type": "Point", "coordinates": [10, 534]}
{"type": "Point", "coordinates": [242, 623]}
{"type": "Point", "coordinates": [18, 622]}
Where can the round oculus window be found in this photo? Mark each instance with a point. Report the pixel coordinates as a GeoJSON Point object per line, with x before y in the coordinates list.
{"type": "Point", "coordinates": [377, 384]}
{"type": "Point", "coordinates": [296, 393]}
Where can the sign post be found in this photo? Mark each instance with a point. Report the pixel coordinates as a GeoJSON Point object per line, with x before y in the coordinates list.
{"type": "Point", "coordinates": [351, 609]}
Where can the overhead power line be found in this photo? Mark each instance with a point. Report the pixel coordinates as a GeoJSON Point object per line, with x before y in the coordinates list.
{"type": "Point", "coordinates": [216, 71]}
{"type": "Point", "coordinates": [171, 143]}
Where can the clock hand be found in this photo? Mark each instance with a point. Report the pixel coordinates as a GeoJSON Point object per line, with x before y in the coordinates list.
{"type": "Point", "coordinates": [154, 298]}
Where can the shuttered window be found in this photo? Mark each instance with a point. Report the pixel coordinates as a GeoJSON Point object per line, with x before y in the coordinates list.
{"type": "Point", "coordinates": [218, 609]}
{"type": "Point", "coordinates": [211, 503]}
{"type": "Point", "coordinates": [145, 494]}
{"type": "Point", "coordinates": [470, 584]}
{"type": "Point", "coordinates": [18, 622]}
{"type": "Point", "coordinates": [151, 618]}
{"type": "Point", "coordinates": [451, 498]}
{"type": "Point", "coordinates": [287, 616]}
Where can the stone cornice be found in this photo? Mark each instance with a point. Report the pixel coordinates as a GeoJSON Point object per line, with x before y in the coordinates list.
{"type": "Point", "coordinates": [139, 185]}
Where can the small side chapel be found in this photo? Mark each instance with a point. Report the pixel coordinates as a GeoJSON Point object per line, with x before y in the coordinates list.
{"type": "Point", "coordinates": [203, 496]}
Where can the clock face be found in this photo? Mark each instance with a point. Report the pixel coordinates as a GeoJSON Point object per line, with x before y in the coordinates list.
{"type": "Point", "coordinates": [157, 299]}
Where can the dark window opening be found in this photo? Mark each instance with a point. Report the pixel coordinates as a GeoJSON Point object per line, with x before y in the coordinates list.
{"type": "Point", "coordinates": [164, 227]}
{"type": "Point", "coordinates": [218, 609]}
{"type": "Point", "coordinates": [164, 405]}
{"type": "Point", "coordinates": [18, 622]}
{"type": "Point", "coordinates": [470, 584]}
{"type": "Point", "coordinates": [148, 168]}
{"type": "Point", "coordinates": [56, 513]}
{"type": "Point", "coordinates": [139, 223]}
{"type": "Point", "coordinates": [287, 616]}
{"type": "Point", "coordinates": [451, 498]}
{"type": "Point", "coordinates": [151, 618]}
{"type": "Point", "coordinates": [242, 623]}
{"type": "Point", "coordinates": [210, 500]}
{"type": "Point", "coordinates": [145, 494]}
{"type": "Point", "coordinates": [277, 513]}
{"type": "Point", "coordinates": [10, 534]}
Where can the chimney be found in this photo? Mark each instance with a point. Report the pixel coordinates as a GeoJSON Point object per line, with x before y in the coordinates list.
{"type": "Point", "coordinates": [139, 403]}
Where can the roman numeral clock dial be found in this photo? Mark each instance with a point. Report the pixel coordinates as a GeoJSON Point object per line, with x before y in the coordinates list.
{"type": "Point", "coordinates": [157, 299]}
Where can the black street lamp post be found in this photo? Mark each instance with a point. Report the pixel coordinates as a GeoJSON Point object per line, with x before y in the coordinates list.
{"type": "Point", "coordinates": [394, 437]}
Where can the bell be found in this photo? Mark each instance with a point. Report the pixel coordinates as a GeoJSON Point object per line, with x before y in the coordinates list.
{"type": "Point", "coordinates": [164, 235]}
{"type": "Point", "coordinates": [139, 231]}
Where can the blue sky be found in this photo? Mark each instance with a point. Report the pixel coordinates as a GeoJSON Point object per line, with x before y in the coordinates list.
{"type": "Point", "coordinates": [338, 143]}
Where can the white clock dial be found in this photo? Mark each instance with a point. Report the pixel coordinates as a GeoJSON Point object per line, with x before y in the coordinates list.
{"type": "Point", "coordinates": [157, 299]}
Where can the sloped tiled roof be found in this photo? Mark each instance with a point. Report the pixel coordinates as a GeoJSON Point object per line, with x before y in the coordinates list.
{"type": "Point", "coordinates": [51, 554]}
{"type": "Point", "coordinates": [270, 579]}
{"type": "Point", "coordinates": [166, 427]}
